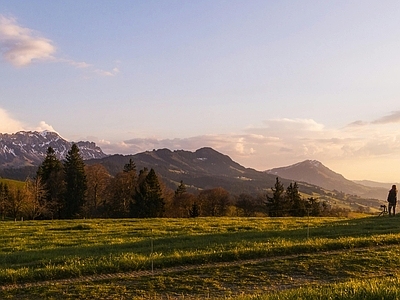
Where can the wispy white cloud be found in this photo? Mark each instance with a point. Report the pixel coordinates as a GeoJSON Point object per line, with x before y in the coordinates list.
{"type": "Point", "coordinates": [90, 68]}
{"type": "Point", "coordinates": [8, 124]}
{"type": "Point", "coordinates": [113, 72]}
{"type": "Point", "coordinates": [22, 46]}
{"type": "Point", "coordinates": [76, 64]}
{"type": "Point", "coordinates": [44, 126]}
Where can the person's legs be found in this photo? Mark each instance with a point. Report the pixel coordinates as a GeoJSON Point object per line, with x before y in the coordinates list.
{"type": "Point", "coordinates": [390, 209]}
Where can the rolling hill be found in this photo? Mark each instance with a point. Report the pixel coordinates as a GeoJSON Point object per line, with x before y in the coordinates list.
{"type": "Point", "coordinates": [314, 172]}
{"type": "Point", "coordinates": [204, 168]}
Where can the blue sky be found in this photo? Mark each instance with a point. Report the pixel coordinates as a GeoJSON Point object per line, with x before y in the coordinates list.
{"type": "Point", "coordinates": [269, 83]}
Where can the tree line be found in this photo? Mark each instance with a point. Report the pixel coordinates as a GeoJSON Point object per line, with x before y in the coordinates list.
{"type": "Point", "coordinates": [70, 189]}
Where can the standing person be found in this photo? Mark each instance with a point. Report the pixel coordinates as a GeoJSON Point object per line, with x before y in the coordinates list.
{"type": "Point", "coordinates": [392, 199]}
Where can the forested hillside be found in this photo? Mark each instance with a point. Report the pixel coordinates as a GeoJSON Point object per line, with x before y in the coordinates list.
{"type": "Point", "coordinates": [163, 183]}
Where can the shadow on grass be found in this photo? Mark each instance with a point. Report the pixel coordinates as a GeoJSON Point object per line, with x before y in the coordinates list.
{"type": "Point", "coordinates": [220, 242]}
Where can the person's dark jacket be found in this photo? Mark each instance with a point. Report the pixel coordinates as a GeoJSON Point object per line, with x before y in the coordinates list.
{"type": "Point", "coordinates": [392, 197]}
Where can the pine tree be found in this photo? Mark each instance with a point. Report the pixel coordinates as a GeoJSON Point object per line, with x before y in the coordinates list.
{"type": "Point", "coordinates": [194, 212]}
{"type": "Point", "coordinates": [180, 190]}
{"type": "Point", "coordinates": [49, 165]}
{"type": "Point", "coordinates": [138, 207]}
{"type": "Point", "coordinates": [148, 200]}
{"type": "Point", "coordinates": [296, 206]}
{"type": "Point", "coordinates": [50, 174]}
{"type": "Point", "coordinates": [276, 203]}
{"type": "Point", "coordinates": [154, 195]}
{"type": "Point", "coordinates": [75, 183]}
{"type": "Point", "coordinates": [314, 207]}
{"type": "Point", "coordinates": [130, 166]}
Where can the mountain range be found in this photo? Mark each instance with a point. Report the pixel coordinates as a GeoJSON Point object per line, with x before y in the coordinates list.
{"type": "Point", "coordinates": [28, 148]}
{"type": "Point", "coordinates": [22, 152]}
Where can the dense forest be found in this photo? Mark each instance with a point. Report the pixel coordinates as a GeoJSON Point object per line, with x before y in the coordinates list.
{"type": "Point", "coordinates": [70, 189]}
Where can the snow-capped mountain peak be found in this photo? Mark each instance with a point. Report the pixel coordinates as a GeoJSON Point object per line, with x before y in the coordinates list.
{"type": "Point", "coordinates": [27, 148]}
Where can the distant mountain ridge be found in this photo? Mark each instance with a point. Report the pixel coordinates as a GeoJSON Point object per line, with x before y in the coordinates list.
{"type": "Point", "coordinates": [314, 172]}
{"type": "Point", "coordinates": [376, 184]}
{"type": "Point", "coordinates": [201, 169]}
{"type": "Point", "coordinates": [28, 148]}
{"type": "Point", "coordinates": [22, 152]}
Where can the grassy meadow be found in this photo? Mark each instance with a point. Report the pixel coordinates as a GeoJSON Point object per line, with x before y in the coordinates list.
{"type": "Point", "coordinates": [215, 258]}
{"type": "Point", "coordinates": [12, 183]}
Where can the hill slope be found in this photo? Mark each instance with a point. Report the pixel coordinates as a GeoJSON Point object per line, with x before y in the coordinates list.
{"type": "Point", "coordinates": [314, 172]}
{"type": "Point", "coordinates": [205, 168]}
{"type": "Point", "coordinates": [202, 169]}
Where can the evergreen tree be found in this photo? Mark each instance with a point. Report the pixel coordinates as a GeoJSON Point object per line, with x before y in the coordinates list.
{"type": "Point", "coordinates": [314, 207]}
{"type": "Point", "coordinates": [138, 207]}
{"type": "Point", "coordinates": [148, 200]}
{"type": "Point", "coordinates": [75, 183]}
{"type": "Point", "coordinates": [155, 198]}
{"type": "Point", "coordinates": [50, 175]}
{"type": "Point", "coordinates": [276, 203]}
{"type": "Point", "coordinates": [130, 166]}
{"type": "Point", "coordinates": [49, 165]}
{"type": "Point", "coordinates": [180, 190]}
{"type": "Point", "coordinates": [296, 206]}
{"type": "Point", "coordinates": [194, 212]}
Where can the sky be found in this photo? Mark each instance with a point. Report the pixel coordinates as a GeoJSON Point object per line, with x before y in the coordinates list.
{"type": "Point", "coordinates": [268, 83]}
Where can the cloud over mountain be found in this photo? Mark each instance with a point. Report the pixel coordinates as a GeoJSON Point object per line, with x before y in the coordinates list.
{"type": "Point", "coordinates": [277, 142]}
{"type": "Point", "coordinates": [8, 124]}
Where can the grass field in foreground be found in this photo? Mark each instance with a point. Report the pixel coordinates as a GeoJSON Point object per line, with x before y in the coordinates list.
{"type": "Point", "coordinates": [302, 256]}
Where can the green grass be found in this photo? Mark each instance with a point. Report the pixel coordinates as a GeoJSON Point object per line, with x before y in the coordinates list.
{"type": "Point", "coordinates": [12, 183]}
{"type": "Point", "coordinates": [370, 289]}
{"type": "Point", "coordinates": [301, 258]}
